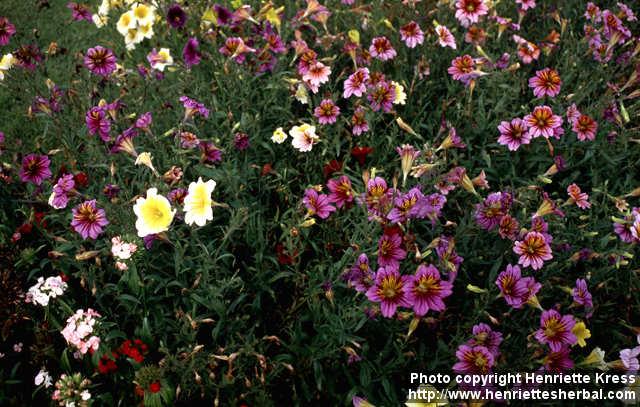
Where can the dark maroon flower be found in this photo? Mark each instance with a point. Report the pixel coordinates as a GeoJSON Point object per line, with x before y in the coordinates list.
{"type": "Point", "coordinates": [241, 141]}
{"type": "Point", "coordinates": [28, 56]}
{"type": "Point", "coordinates": [176, 17]}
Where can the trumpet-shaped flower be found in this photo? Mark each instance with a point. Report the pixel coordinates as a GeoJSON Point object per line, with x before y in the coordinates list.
{"type": "Point", "coordinates": [303, 137]}
{"type": "Point", "coordinates": [197, 204]}
{"type": "Point", "coordinates": [160, 59]}
{"type": "Point", "coordinates": [154, 213]}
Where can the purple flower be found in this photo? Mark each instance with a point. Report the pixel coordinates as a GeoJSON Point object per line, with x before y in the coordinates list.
{"type": "Point", "coordinates": [100, 60]}
{"type": "Point", "coordinates": [35, 168]}
{"type": "Point", "coordinates": [210, 153]}
{"type": "Point", "coordinates": [473, 360]}
{"type": "Point", "coordinates": [241, 141]}
{"type": "Point", "coordinates": [98, 122]}
{"type": "Point", "coordinates": [144, 121]}
{"type": "Point", "coordinates": [430, 206]}
{"type": "Point", "coordinates": [176, 17]}
{"type": "Point", "coordinates": [176, 196]}
{"type": "Point", "coordinates": [492, 209]}
{"type": "Point", "coordinates": [359, 122]}
{"type": "Point", "coordinates": [558, 361]}
{"type": "Point", "coordinates": [317, 204]}
{"type": "Point", "coordinates": [326, 112]}
{"type": "Point", "coordinates": [88, 219]}
{"type": "Point", "coordinates": [193, 108]}
{"type": "Point", "coordinates": [390, 290]}
{"type": "Point", "coordinates": [341, 191]}
{"type": "Point", "coordinates": [79, 12]}
{"type": "Point", "coordinates": [390, 251]}
{"type": "Point", "coordinates": [191, 53]}
{"type": "Point", "coordinates": [111, 191]}
{"type": "Point", "coordinates": [361, 276]}
{"type": "Point", "coordinates": [382, 96]}
{"type": "Point", "coordinates": [6, 30]}
{"type": "Point", "coordinates": [629, 358]}
{"type": "Point", "coordinates": [483, 335]}
{"type": "Point", "coordinates": [427, 290]}
{"type": "Point", "coordinates": [355, 84]}
{"type": "Point", "coordinates": [405, 205]}
{"type": "Point", "coordinates": [223, 15]}
{"type": "Point", "coordinates": [61, 191]}
{"type": "Point", "coordinates": [581, 294]}
{"type": "Point", "coordinates": [555, 330]}
{"type": "Point", "coordinates": [513, 287]}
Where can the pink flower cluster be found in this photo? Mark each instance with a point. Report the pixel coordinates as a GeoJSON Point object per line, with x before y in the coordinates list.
{"type": "Point", "coordinates": [79, 331]}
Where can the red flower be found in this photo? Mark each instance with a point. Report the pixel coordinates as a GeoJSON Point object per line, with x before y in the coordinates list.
{"type": "Point", "coordinates": [154, 387]}
{"type": "Point", "coordinates": [107, 364]}
{"type": "Point", "coordinates": [360, 153]}
{"type": "Point", "coordinates": [331, 167]}
{"type": "Point", "coordinates": [81, 179]}
{"type": "Point", "coordinates": [25, 228]}
{"type": "Point", "coordinates": [266, 169]}
{"type": "Point", "coordinates": [283, 257]}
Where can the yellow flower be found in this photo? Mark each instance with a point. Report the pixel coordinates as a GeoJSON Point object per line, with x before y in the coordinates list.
{"type": "Point", "coordinates": [126, 22]}
{"type": "Point", "coordinates": [279, 136]}
{"type": "Point", "coordinates": [401, 96]}
{"type": "Point", "coordinates": [154, 213]}
{"type": "Point", "coordinates": [5, 64]}
{"type": "Point", "coordinates": [144, 14]}
{"type": "Point", "coordinates": [581, 332]}
{"type": "Point", "coordinates": [197, 203]}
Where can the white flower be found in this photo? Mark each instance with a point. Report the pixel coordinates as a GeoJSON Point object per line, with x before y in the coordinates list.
{"type": "Point", "coordinates": [126, 22]}
{"type": "Point", "coordinates": [44, 378]}
{"type": "Point", "coordinates": [401, 96]}
{"type": "Point", "coordinates": [279, 136]}
{"type": "Point", "coordinates": [85, 395]}
{"type": "Point", "coordinates": [144, 14]}
{"type": "Point", "coordinates": [100, 20]}
{"type": "Point", "coordinates": [132, 38]}
{"type": "Point", "coordinates": [122, 250]}
{"type": "Point", "coordinates": [303, 137]}
{"type": "Point", "coordinates": [44, 290]}
{"type": "Point", "coordinates": [197, 203]}
{"type": "Point", "coordinates": [302, 95]}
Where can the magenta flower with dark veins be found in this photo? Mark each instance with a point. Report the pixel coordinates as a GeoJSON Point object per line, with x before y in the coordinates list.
{"type": "Point", "coordinates": [317, 204]}
{"type": "Point", "coordinates": [100, 61]}
{"type": "Point", "coordinates": [89, 220]}
{"type": "Point", "coordinates": [427, 290]}
{"type": "Point", "coordinates": [35, 168]}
